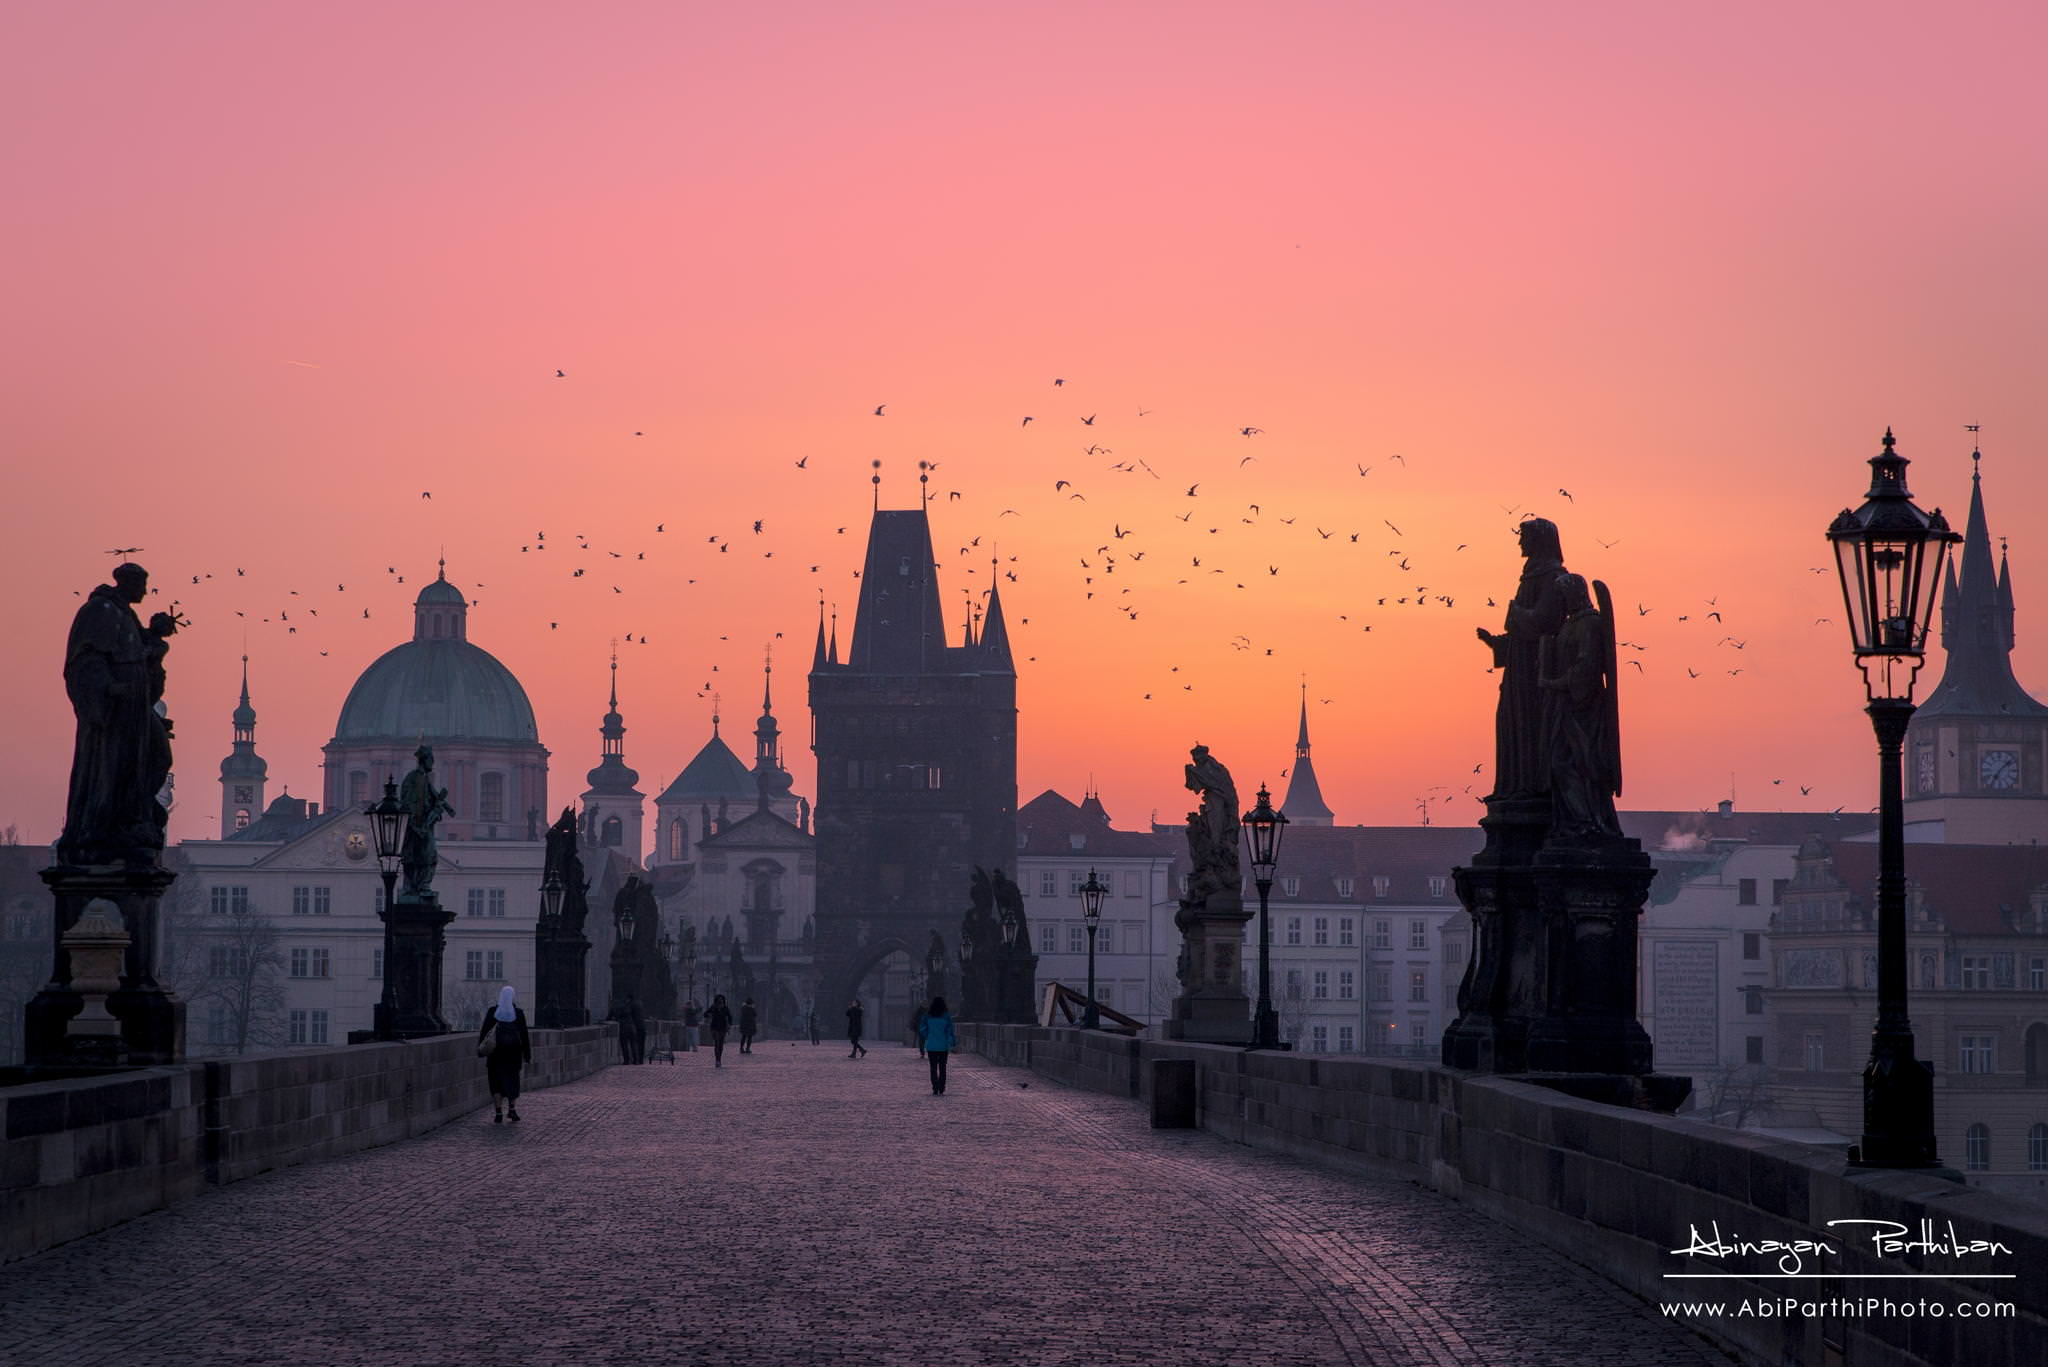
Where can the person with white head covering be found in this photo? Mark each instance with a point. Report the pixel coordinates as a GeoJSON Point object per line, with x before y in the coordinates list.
{"type": "Point", "coordinates": [507, 1047]}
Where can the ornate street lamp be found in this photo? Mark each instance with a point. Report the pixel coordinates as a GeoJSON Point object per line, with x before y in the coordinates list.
{"type": "Point", "coordinates": [1263, 827]}
{"type": "Point", "coordinates": [387, 832]}
{"type": "Point", "coordinates": [667, 945]}
{"type": "Point", "coordinates": [1890, 555]}
{"type": "Point", "coordinates": [1091, 910]}
{"type": "Point", "coordinates": [551, 894]}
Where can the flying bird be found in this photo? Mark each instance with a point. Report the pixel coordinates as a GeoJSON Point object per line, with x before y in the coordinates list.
{"type": "Point", "coordinates": [878, 409]}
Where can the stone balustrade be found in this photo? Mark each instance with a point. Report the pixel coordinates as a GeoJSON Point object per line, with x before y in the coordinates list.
{"type": "Point", "coordinates": [81, 1154]}
{"type": "Point", "coordinates": [1616, 1189]}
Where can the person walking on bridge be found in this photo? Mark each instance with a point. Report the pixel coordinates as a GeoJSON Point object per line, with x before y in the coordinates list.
{"type": "Point", "coordinates": [917, 1027]}
{"type": "Point", "coordinates": [507, 1048]}
{"type": "Point", "coordinates": [693, 1018]}
{"type": "Point", "coordinates": [718, 1020]}
{"type": "Point", "coordinates": [854, 1017]}
{"type": "Point", "coordinates": [750, 1021]}
{"type": "Point", "coordinates": [937, 1039]}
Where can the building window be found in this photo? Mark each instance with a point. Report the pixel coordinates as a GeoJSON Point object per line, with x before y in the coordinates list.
{"type": "Point", "coordinates": [485, 902]}
{"type": "Point", "coordinates": [1105, 937]}
{"type": "Point", "coordinates": [1976, 971]}
{"type": "Point", "coordinates": [1745, 892]}
{"type": "Point", "coordinates": [490, 798]}
{"type": "Point", "coordinates": [1344, 932]}
{"type": "Point", "coordinates": [1048, 939]}
{"type": "Point", "coordinates": [318, 1033]}
{"type": "Point", "coordinates": [1344, 887]}
{"type": "Point", "coordinates": [377, 901]}
{"type": "Point", "coordinates": [1418, 934]}
{"type": "Point", "coordinates": [1048, 883]}
{"type": "Point", "coordinates": [1319, 985]}
{"type": "Point", "coordinates": [1131, 884]}
{"type": "Point", "coordinates": [1294, 984]}
{"type": "Point", "coordinates": [1319, 1039]}
{"type": "Point", "coordinates": [309, 963]}
{"type": "Point", "coordinates": [1290, 887]}
{"type": "Point", "coordinates": [1382, 933]}
{"type": "Point", "coordinates": [296, 1024]}
{"type": "Point", "coordinates": [1778, 887]}
{"type": "Point", "coordinates": [377, 962]}
{"type": "Point", "coordinates": [675, 838]}
{"type": "Point", "coordinates": [232, 900]}
{"type": "Point", "coordinates": [241, 818]}
{"type": "Point", "coordinates": [1322, 930]}
{"type": "Point", "coordinates": [472, 965]}
{"type": "Point", "coordinates": [1752, 945]}
{"type": "Point", "coordinates": [2037, 1149]}
{"type": "Point", "coordinates": [2037, 975]}
{"type": "Point", "coordinates": [1077, 939]}
{"type": "Point", "coordinates": [1752, 1001]}
{"type": "Point", "coordinates": [1418, 984]}
{"type": "Point", "coordinates": [1294, 930]}
{"type": "Point", "coordinates": [1976, 1054]}
{"type": "Point", "coordinates": [1380, 884]}
{"type": "Point", "coordinates": [1753, 1049]}
{"type": "Point", "coordinates": [1347, 1042]}
{"type": "Point", "coordinates": [358, 789]}
{"type": "Point", "coordinates": [1074, 882]}
{"type": "Point", "coordinates": [1379, 982]}
{"type": "Point", "coordinates": [312, 901]}
{"type": "Point", "coordinates": [1437, 885]}
{"type": "Point", "coordinates": [220, 1027]}
{"type": "Point", "coordinates": [1977, 1148]}
{"type": "Point", "coordinates": [494, 964]}
{"type": "Point", "coordinates": [227, 961]}
{"type": "Point", "coordinates": [1816, 1055]}
{"type": "Point", "coordinates": [612, 833]}
{"type": "Point", "coordinates": [1347, 984]}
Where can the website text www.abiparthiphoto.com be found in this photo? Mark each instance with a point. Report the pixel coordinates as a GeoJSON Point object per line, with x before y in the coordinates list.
{"type": "Point", "coordinates": [1839, 1307]}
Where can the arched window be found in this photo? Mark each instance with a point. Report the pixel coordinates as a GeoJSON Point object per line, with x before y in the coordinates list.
{"type": "Point", "coordinates": [675, 838]}
{"type": "Point", "coordinates": [358, 788]}
{"type": "Point", "coordinates": [2037, 1052]}
{"type": "Point", "coordinates": [241, 817]}
{"type": "Point", "coordinates": [2037, 1149]}
{"type": "Point", "coordinates": [611, 832]}
{"type": "Point", "coordinates": [1977, 1148]}
{"type": "Point", "coordinates": [490, 798]}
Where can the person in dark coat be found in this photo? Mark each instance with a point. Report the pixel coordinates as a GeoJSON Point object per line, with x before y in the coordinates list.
{"type": "Point", "coordinates": [854, 1017]}
{"type": "Point", "coordinates": [511, 1049]}
{"type": "Point", "coordinates": [935, 1033]}
{"type": "Point", "coordinates": [750, 1020]}
{"type": "Point", "coordinates": [718, 1020]}
{"type": "Point", "coordinates": [917, 1028]}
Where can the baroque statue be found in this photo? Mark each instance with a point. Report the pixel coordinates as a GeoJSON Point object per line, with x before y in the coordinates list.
{"type": "Point", "coordinates": [1009, 900]}
{"type": "Point", "coordinates": [979, 927]}
{"type": "Point", "coordinates": [1213, 830]}
{"type": "Point", "coordinates": [1522, 720]}
{"type": "Point", "coordinates": [424, 805]}
{"type": "Point", "coordinates": [121, 756]}
{"type": "Point", "coordinates": [1584, 753]}
{"type": "Point", "coordinates": [566, 862]}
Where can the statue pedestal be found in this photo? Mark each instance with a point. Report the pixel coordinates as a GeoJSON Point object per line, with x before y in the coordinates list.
{"type": "Point", "coordinates": [152, 1019]}
{"type": "Point", "coordinates": [1551, 984]}
{"type": "Point", "coordinates": [558, 970]}
{"type": "Point", "coordinates": [1212, 1007]}
{"type": "Point", "coordinates": [417, 936]}
{"type": "Point", "coordinates": [1016, 975]}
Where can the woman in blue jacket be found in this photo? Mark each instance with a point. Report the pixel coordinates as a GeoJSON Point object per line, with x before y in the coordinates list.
{"type": "Point", "coordinates": [938, 1040]}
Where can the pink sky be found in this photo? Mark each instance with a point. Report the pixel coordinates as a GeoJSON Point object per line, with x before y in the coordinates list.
{"type": "Point", "coordinates": [275, 270]}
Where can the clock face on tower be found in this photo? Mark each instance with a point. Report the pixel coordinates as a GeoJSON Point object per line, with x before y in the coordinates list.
{"type": "Point", "coordinates": [245, 794]}
{"type": "Point", "coordinates": [1998, 769]}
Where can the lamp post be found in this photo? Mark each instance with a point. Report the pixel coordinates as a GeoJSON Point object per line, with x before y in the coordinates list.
{"type": "Point", "coordinates": [1262, 830]}
{"type": "Point", "coordinates": [970, 990]}
{"type": "Point", "coordinates": [387, 831]}
{"type": "Point", "coordinates": [1091, 911]}
{"type": "Point", "coordinates": [1889, 579]}
{"type": "Point", "coordinates": [551, 894]}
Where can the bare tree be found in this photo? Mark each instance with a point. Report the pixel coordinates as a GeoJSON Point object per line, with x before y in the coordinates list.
{"type": "Point", "coordinates": [466, 1003]}
{"type": "Point", "coordinates": [1737, 1095]}
{"type": "Point", "coordinates": [1159, 998]}
{"type": "Point", "coordinates": [1291, 1005]}
{"type": "Point", "coordinates": [230, 971]}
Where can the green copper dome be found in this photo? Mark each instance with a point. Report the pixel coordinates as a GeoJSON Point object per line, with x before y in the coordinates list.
{"type": "Point", "coordinates": [437, 685]}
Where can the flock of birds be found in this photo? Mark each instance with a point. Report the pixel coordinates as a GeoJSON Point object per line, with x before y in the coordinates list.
{"type": "Point", "coordinates": [1124, 551]}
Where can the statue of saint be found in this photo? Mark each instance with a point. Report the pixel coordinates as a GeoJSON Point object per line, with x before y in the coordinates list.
{"type": "Point", "coordinates": [935, 956]}
{"type": "Point", "coordinates": [1521, 723]}
{"type": "Point", "coordinates": [121, 756]}
{"type": "Point", "coordinates": [1010, 908]}
{"type": "Point", "coordinates": [1585, 747]}
{"type": "Point", "coordinates": [1212, 831]}
{"type": "Point", "coordinates": [566, 861]}
{"type": "Point", "coordinates": [979, 927]}
{"type": "Point", "coordinates": [424, 805]}
{"type": "Point", "coordinates": [627, 901]}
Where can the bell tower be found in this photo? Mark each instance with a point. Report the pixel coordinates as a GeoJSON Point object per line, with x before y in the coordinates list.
{"type": "Point", "coordinates": [243, 774]}
{"type": "Point", "coordinates": [613, 805]}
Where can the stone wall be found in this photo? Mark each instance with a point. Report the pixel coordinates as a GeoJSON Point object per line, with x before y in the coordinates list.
{"type": "Point", "coordinates": [81, 1154]}
{"type": "Point", "coordinates": [1615, 1189]}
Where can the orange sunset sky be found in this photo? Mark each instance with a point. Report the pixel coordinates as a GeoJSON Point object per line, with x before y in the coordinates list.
{"type": "Point", "coordinates": [275, 271]}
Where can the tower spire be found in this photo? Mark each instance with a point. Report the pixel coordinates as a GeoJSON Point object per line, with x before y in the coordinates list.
{"type": "Point", "coordinates": [1977, 626]}
{"type": "Point", "coordinates": [243, 773]}
{"type": "Point", "coordinates": [1304, 803]}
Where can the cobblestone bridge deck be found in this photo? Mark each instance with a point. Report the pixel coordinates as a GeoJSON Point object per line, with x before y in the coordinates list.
{"type": "Point", "coordinates": [798, 1207]}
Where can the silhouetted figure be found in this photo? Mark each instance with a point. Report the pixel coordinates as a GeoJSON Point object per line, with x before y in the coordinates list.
{"type": "Point", "coordinates": [693, 1019]}
{"type": "Point", "coordinates": [113, 672]}
{"type": "Point", "coordinates": [510, 1049]}
{"type": "Point", "coordinates": [1521, 723]}
{"type": "Point", "coordinates": [917, 1027]}
{"type": "Point", "coordinates": [854, 1018]}
{"type": "Point", "coordinates": [632, 1032]}
{"type": "Point", "coordinates": [718, 1020]}
{"type": "Point", "coordinates": [1585, 749]}
{"type": "Point", "coordinates": [812, 1021]}
{"type": "Point", "coordinates": [750, 1020]}
{"type": "Point", "coordinates": [936, 1041]}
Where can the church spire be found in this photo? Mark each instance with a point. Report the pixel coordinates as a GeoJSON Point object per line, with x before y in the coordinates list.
{"type": "Point", "coordinates": [612, 774]}
{"type": "Point", "coordinates": [1977, 627]}
{"type": "Point", "coordinates": [772, 782]}
{"type": "Point", "coordinates": [818, 657]}
{"type": "Point", "coordinates": [995, 637]}
{"type": "Point", "coordinates": [243, 773]}
{"type": "Point", "coordinates": [1304, 803]}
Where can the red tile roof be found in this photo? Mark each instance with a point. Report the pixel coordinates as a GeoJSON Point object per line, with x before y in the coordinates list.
{"type": "Point", "coordinates": [1973, 888]}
